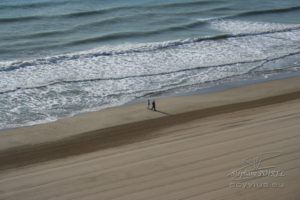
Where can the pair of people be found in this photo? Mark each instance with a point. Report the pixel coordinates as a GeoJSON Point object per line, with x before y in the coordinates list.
{"type": "Point", "coordinates": [153, 104]}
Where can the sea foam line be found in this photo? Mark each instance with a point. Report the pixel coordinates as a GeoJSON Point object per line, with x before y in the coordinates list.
{"type": "Point", "coordinates": [11, 66]}
{"type": "Point", "coordinates": [264, 61]}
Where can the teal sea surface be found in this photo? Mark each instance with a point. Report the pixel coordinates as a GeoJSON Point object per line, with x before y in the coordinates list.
{"type": "Point", "coordinates": [59, 58]}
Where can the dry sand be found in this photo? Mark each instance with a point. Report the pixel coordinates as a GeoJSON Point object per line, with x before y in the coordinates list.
{"type": "Point", "coordinates": [193, 149]}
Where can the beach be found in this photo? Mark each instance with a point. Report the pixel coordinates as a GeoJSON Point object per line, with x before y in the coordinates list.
{"type": "Point", "coordinates": [60, 58]}
{"type": "Point", "coordinates": [241, 143]}
{"type": "Point", "coordinates": [76, 78]}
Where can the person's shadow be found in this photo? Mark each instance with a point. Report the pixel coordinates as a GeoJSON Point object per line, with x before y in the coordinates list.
{"type": "Point", "coordinates": [160, 112]}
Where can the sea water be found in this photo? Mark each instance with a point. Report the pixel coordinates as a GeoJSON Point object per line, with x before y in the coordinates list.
{"type": "Point", "coordinates": [63, 57]}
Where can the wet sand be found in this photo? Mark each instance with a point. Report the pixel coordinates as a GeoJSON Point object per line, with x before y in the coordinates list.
{"type": "Point", "coordinates": [191, 149]}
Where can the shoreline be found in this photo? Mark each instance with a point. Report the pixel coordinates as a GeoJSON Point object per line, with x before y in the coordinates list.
{"type": "Point", "coordinates": [194, 152]}
{"type": "Point", "coordinates": [117, 115]}
{"type": "Point", "coordinates": [171, 110]}
{"type": "Point", "coordinates": [223, 87]}
{"type": "Point", "coordinates": [123, 134]}
{"type": "Point", "coordinates": [207, 88]}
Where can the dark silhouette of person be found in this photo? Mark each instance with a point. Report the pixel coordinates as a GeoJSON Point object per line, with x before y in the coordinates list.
{"type": "Point", "coordinates": [153, 105]}
{"type": "Point", "coordinates": [148, 103]}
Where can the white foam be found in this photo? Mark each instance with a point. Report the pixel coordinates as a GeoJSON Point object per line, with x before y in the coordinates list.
{"type": "Point", "coordinates": [237, 26]}
{"type": "Point", "coordinates": [120, 77]}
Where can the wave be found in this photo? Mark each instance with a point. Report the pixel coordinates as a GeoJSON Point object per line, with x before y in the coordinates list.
{"type": "Point", "coordinates": [21, 19]}
{"type": "Point", "coordinates": [62, 32]}
{"type": "Point", "coordinates": [102, 22]}
{"type": "Point", "coordinates": [264, 61]}
{"type": "Point", "coordinates": [95, 12]}
{"type": "Point", "coordinates": [134, 76]}
{"type": "Point", "coordinates": [107, 37]}
{"type": "Point", "coordinates": [112, 10]}
{"type": "Point", "coordinates": [269, 11]}
{"type": "Point", "coordinates": [32, 5]}
{"type": "Point", "coordinates": [145, 7]}
{"type": "Point", "coordinates": [140, 49]}
{"type": "Point", "coordinates": [62, 16]}
{"type": "Point", "coordinates": [36, 35]}
{"type": "Point", "coordinates": [126, 18]}
{"type": "Point", "coordinates": [184, 4]}
{"type": "Point", "coordinates": [134, 34]}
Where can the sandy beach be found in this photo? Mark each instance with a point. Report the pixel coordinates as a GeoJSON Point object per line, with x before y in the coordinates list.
{"type": "Point", "coordinates": [242, 143]}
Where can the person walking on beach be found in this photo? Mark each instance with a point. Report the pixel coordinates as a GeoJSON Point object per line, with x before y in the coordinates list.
{"type": "Point", "coordinates": [153, 105]}
{"type": "Point", "coordinates": [148, 103]}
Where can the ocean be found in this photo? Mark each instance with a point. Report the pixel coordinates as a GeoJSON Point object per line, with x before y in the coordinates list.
{"type": "Point", "coordinates": [59, 58]}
